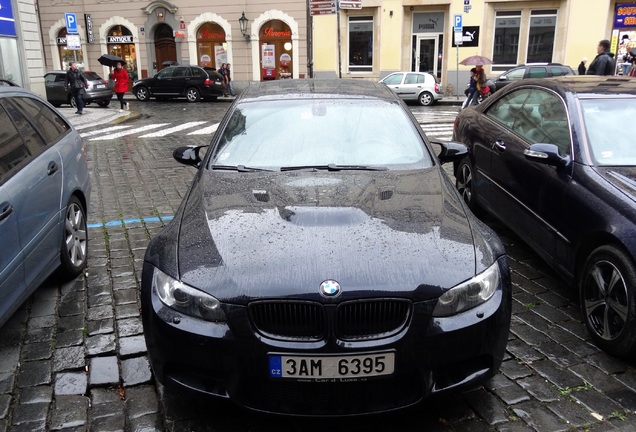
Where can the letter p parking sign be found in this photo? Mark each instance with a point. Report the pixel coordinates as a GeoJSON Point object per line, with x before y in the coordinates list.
{"type": "Point", "coordinates": [71, 22]}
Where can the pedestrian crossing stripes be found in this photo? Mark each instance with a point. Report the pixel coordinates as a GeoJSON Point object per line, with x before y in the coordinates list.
{"type": "Point", "coordinates": [440, 126]}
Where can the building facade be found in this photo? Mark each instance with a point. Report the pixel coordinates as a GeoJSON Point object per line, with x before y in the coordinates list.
{"type": "Point", "coordinates": [384, 36]}
{"type": "Point", "coordinates": [151, 34]}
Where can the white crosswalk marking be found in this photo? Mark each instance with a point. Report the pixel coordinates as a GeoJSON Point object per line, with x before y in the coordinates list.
{"type": "Point", "coordinates": [168, 131]}
{"type": "Point", "coordinates": [206, 130]}
{"type": "Point", "coordinates": [106, 130]}
{"type": "Point", "coordinates": [130, 132]}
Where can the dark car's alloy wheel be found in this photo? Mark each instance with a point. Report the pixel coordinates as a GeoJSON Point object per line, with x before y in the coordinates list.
{"type": "Point", "coordinates": [71, 100]}
{"type": "Point", "coordinates": [104, 103]}
{"type": "Point", "coordinates": [142, 94]}
{"type": "Point", "coordinates": [426, 99]}
{"type": "Point", "coordinates": [607, 300]}
{"type": "Point", "coordinates": [464, 183]}
{"type": "Point", "coordinates": [74, 239]}
{"type": "Point", "coordinates": [193, 95]}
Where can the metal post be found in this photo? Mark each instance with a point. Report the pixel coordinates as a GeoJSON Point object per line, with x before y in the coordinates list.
{"type": "Point", "coordinates": [339, 50]}
{"type": "Point", "coordinates": [457, 73]}
{"type": "Point", "coordinates": [310, 36]}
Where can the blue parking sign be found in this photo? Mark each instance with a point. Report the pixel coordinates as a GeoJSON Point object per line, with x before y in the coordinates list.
{"type": "Point", "coordinates": [457, 23]}
{"type": "Point", "coordinates": [71, 22]}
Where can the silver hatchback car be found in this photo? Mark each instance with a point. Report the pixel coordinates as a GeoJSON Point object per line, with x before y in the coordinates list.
{"type": "Point", "coordinates": [44, 194]}
{"type": "Point", "coordinates": [421, 87]}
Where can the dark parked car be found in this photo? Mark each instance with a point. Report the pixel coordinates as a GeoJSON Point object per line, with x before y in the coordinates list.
{"type": "Point", "coordinates": [98, 90]}
{"type": "Point", "coordinates": [554, 161]}
{"type": "Point", "coordinates": [44, 193]}
{"type": "Point", "coordinates": [531, 70]}
{"type": "Point", "coordinates": [192, 82]}
{"type": "Point", "coordinates": [322, 263]}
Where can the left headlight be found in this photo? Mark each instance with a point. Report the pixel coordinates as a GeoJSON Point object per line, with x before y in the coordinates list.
{"type": "Point", "coordinates": [469, 294]}
{"type": "Point", "coordinates": [185, 299]}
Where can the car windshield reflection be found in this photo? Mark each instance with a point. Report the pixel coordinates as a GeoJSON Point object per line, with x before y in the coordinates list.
{"type": "Point", "coordinates": [315, 133]}
{"type": "Point", "coordinates": [611, 143]}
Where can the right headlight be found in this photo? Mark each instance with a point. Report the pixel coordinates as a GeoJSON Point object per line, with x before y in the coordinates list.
{"type": "Point", "coordinates": [469, 294]}
{"type": "Point", "coordinates": [185, 299]}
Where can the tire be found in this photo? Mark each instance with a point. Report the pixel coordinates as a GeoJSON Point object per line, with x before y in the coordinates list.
{"type": "Point", "coordinates": [74, 247]}
{"type": "Point", "coordinates": [193, 94]}
{"type": "Point", "coordinates": [72, 101]}
{"type": "Point", "coordinates": [142, 94]}
{"type": "Point", "coordinates": [464, 182]}
{"type": "Point", "coordinates": [608, 300]}
{"type": "Point", "coordinates": [103, 103]}
{"type": "Point", "coordinates": [426, 99]}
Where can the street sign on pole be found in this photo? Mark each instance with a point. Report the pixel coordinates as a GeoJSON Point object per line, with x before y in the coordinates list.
{"type": "Point", "coordinates": [71, 22]}
{"type": "Point", "coordinates": [458, 30]}
{"type": "Point", "coordinates": [457, 23]}
{"type": "Point", "coordinates": [322, 7]}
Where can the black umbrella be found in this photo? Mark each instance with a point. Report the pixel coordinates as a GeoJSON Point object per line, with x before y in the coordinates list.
{"type": "Point", "coordinates": [110, 60]}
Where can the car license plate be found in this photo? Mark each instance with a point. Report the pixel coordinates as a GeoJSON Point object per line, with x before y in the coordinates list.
{"type": "Point", "coordinates": [326, 367]}
{"type": "Point", "coordinates": [101, 86]}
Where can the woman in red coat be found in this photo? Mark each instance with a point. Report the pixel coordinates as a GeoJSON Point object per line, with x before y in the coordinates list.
{"type": "Point", "coordinates": [120, 76]}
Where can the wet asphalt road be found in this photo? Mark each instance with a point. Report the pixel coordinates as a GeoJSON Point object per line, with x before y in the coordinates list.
{"type": "Point", "coordinates": [73, 358]}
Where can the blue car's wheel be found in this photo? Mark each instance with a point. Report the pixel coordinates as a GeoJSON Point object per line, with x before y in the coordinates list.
{"type": "Point", "coordinates": [74, 239]}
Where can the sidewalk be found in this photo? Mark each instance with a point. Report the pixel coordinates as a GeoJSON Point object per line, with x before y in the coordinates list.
{"type": "Point", "coordinates": [93, 115]}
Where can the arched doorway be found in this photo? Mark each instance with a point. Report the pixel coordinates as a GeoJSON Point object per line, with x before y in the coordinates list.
{"type": "Point", "coordinates": [276, 50]}
{"type": "Point", "coordinates": [211, 45]}
{"type": "Point", "coordinates": [66, 55]}
{"type": "Point", "coordinates": [120, 43]}
{"type": "Point", "coordinates": [165, 46]}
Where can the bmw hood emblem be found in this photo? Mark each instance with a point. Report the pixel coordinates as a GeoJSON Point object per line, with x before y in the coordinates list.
{"type": "Point", "coordinates": [330, 288]}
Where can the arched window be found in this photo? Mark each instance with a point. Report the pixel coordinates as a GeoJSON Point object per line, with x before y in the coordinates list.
{"type": "Point", "coordinates": [276, 50]}
{"type": "Point", "coordinates": [211, 45]}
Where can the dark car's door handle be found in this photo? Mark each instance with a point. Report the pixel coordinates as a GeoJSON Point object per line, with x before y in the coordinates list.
{"type": "Point", "coordinates": [6, 211]}
{"type": "Point", "coordinates": [499, 144]}
{"type": "Point", "coordinates": [52, 168]}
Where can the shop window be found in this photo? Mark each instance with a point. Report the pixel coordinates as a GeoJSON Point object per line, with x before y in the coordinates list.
{"type": "Point", "coordinates": [276, 50]}
{"type": "Point", "coordinates": [506, 47]}
{"type": "Point", "coordinates": [211, 45]}
{"type": "Point", "coordinates": [541, 36]}
{"type": "Point", "coordinates": [361, 44]}
{"type": "Point", "coordinates": [120, 43]}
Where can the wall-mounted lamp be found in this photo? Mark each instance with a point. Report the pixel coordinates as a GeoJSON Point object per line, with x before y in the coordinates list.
{"type": "Point", "coordinates": [160, 14]}
{"type": "Point", "coordinates": [182, 19]}
{"type": "Point", "coordinates": [243, 25]}
{"type": "Point", "coordinates": [391, 14]}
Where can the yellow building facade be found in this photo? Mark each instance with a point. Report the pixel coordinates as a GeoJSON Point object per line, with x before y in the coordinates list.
{"type": "Point", "coordinates": [384, 36]}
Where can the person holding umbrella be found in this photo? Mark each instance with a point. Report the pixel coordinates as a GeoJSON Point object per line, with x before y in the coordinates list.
{"type": "Point", "coordinates": [121, 78]}
{"type": "Point", "coordinates": [77, 84]}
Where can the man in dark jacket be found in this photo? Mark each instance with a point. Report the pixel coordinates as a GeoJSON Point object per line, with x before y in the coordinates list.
{"type": "Point", "coordinates": [76, 83]}
{"type": "Point", "coordinates": [603, 63]}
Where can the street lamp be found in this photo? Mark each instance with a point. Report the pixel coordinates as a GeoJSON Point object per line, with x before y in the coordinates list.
{"type": "Point", "coordinates": [243, 24]}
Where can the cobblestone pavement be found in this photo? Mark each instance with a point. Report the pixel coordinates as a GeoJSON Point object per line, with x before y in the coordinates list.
{"type": "Point", "coordinates": [73, 357]}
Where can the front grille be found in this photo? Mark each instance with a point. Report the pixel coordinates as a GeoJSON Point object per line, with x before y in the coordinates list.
{"type": "Point", "coordinates": [371, 319]}
{"type": "Point", "coordinates": [292, 320]}
{"type": "Point", "coordinates": [308, 321]}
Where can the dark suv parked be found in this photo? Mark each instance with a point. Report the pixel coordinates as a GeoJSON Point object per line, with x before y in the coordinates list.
{"type": "Point", "coordinates": [531, 70]}
{"type": "Point", "coordinates": [191, 82]}
{"type": "Point", "coordinates": [98, 90]}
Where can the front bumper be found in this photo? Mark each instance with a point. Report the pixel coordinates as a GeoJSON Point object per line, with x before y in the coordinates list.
{"type": "Point", "coordinates": [229, 360]}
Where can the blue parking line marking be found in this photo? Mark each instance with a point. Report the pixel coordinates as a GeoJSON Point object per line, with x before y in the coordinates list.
{"type": "Point", "coordinates": [130, 221]}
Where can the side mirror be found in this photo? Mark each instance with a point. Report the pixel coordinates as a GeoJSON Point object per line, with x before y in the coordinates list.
{"type": "Point", "coordinates": [188, 155]}
{"type": "Point", "coordinates": [502, 78]}
{"type": "Point", "coordinates": [547, 154]}
{"type": "Point", "coordinates": [451, 151]}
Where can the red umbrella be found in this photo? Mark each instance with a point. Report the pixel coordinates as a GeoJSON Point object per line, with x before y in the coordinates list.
{"type": "Point", "coordinates": [475, 60]}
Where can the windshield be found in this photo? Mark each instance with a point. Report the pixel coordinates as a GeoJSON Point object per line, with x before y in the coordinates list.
{"type": "Point", "coordinates": [605, 123]}
{"type": "Point", "coordinates": [297, 133]}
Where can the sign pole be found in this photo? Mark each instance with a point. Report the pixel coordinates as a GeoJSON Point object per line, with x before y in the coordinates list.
{"type": "Point", "coordinates": [457, 31]}
{"type": "Point", "coordinates": [339, 49]}
{"type": "Point", "coordinates": [457, 73]}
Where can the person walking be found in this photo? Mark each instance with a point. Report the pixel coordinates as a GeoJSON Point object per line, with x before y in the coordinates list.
{"type": "Point", "coordinates": [471, 90]}
{"type": "Point", "coordinates": [228, 79]}
{"type": "Point", "coordinates": [76, 83]}
{"type": "Point", "coordinates": [582, 68]}
{"type": "Point", "coordinates": [483, 89]}
{"type": "Point", "coordinates": [222, 71]}
{"type": "Point", "coordinates": [603, 63]}
{"type": "Point", "coordinates": [121, 78]}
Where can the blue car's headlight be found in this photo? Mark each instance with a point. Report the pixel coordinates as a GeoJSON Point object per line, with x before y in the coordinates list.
{"type": "Point", "coordinates": [185, 299]}
{"type": "Point", "coordinates": [469, 294]}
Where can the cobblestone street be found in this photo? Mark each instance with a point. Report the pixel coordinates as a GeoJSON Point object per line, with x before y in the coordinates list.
{"type": "Point", "coordinates": [73, 358]}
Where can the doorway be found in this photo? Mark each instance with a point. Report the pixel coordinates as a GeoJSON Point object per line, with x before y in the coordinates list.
{"type": "Point", "coordinates": [165, 46]}
{"type": "Point", "coordinates": [427, 54]}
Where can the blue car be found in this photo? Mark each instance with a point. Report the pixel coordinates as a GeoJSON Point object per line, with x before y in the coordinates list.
{"type": "Point", "coordinates": [44, 194]}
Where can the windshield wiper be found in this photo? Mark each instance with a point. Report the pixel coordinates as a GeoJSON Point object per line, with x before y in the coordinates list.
{"type": "Point", "coordinates": [239, 168]}
{"type": "Point", "coordinates": [334, 167]}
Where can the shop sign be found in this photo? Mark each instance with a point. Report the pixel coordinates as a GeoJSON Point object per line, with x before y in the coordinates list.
{"type": "Point", "coordinates": [61, 41]}
{"type": "Point", "coordinates": [625, 15]}
{"type": "Point", "coordinates": [89, 28]}
{"type": "Point", "coordinates": [269, 61]}
{"type": "Point", "coordinates": [321, 7]}
{"type": "Point", "coordinates": [179, 33]}
{"type": "Point", "coordinates": [351, 4]}
{"type": "Point", "coordinates": [470, 37]}
{"type": "Point", "coordinates": [428, 22]}
{"type": "Point", "coordinates": [207, 34]}
{"type": "Point", "coordinates": [270, 32]}
{"type": "Point", "coordinates": [543, 21]}
{"type": "Point", "coordinates": [7, 23]}
{"type": "Point", "coordinates": [507, 22]}
{"type": "Point", "coordinates": [119, 39]}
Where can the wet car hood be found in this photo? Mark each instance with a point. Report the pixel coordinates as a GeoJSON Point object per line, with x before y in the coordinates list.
{"type": "Point", "coordinates": [271, 235]}
{"type": "Point", "coordinates": [623, 178]}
